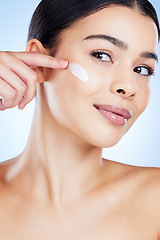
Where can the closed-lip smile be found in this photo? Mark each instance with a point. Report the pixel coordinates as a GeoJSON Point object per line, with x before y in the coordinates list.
{"type": "Point", "coordinates": [116, 114]}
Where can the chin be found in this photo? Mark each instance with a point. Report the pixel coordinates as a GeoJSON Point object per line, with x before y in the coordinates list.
{"type": "Point", "coordinates": [109, 143]}
{"type": "Point", "coordinates": [104, 141]}
{"type": "Point", "coordinates": [109, 137]}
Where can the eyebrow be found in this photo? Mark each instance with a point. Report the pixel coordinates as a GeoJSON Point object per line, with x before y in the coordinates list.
{"type": "Point", "coordinates": [149, 55]}
{"type": "Point", "coordinates": [120, 44]}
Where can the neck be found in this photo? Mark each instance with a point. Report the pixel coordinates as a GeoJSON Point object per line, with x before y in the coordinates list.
{"type": "Point", "coordinates": [64, 166]}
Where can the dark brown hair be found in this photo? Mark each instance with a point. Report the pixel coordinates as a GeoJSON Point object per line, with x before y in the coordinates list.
{"type": "Point", "coordinates": [51, 17]}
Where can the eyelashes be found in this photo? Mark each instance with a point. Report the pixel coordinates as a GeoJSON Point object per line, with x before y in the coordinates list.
{"type": "Point", "coordinates": [144, 70]}
{"type": "Point", "coordinates": [105, 57]}
{"type": "Point", "coordinates": [102, 56]}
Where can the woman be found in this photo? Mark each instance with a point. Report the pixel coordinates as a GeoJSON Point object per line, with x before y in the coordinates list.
{"type": "Point", "coordinates": [92, 61]}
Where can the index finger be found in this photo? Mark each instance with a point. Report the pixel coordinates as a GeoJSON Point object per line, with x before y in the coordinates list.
{"type": "Point", "coordinates": [40, 60]}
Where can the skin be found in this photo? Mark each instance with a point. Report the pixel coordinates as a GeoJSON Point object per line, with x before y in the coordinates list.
{"type": "Point", "coordinates": [60, 187]}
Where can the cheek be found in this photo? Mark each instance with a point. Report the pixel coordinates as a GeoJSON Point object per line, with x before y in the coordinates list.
{"type": "Point", "coordinates": [81, 82]}
{"type": "Point", "coordinates": [64, 91]}
{"type": "Point", "coordinates": [87, 81]}
{"type": "Point", "coordinates": [142, 97]}
{"type": "Point", "coordinates": [68, 96]}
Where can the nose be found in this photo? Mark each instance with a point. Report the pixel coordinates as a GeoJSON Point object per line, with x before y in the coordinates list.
{"type": "Point", "coordinates": [124, 85]}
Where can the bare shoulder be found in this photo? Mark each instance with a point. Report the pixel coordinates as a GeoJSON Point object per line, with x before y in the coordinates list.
{"type": "Point", "coordinates": [148, 173]}
{"type": "Point", "coordinates": [139, 195]}
{"type": "Point", "coordinates": [152, 183]}
{"type": "Point", "coordinates": [5, 166]}
{"type": "Point", "coordinates": [5, 185]}
{"type": "Point", "coordinates": [144, 182]}
{"type": "Point", "coordinates": [151, 178]}
{"type": "Point", "coordinates": [151, 196]}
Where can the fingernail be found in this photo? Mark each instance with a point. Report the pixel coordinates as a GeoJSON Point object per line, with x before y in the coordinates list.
{"type": "Point", "coordinates": [63, 62]}
{"type": "Point", "coordinates": [21, 106]}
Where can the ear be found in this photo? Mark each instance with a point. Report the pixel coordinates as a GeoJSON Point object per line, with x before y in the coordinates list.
{"type": "Point", "coordinates": [36, 46]}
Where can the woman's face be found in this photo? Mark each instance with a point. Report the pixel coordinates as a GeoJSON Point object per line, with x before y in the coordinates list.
{"type": "Point", "coordinates": [119, 65]}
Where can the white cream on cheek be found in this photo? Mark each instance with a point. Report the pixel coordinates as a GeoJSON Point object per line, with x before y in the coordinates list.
{"type": "Point", "coordinates": [78, 71]}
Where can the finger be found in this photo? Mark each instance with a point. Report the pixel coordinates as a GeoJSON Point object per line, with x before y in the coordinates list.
{"type": "Point", "coordinates": [27, 97]}
{"type": "Point", "coordinates": [8, 95]}
{"type": "Point", "coordinates": [27, 76]}
{"type": "Point", "coordinates": [27, 84]}
{"type": "Point", "coordinates": [13, 81]}
{"type": "Point", "coordinates": [41, 60]}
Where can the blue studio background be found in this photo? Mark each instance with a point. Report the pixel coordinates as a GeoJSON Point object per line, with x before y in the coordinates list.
{"type": "Point", "coordinates": [140, 146]}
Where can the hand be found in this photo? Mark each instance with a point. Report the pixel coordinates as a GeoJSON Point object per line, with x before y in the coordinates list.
{"type": "Point", "coordinates": [18, 79]}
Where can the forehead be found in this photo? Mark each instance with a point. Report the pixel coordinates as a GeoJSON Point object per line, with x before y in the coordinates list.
{"type": "Point", "coordinates": [123, 23]}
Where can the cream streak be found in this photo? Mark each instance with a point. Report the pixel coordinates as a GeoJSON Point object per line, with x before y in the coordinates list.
{"type": "Point", "coordinates": [78, 71]}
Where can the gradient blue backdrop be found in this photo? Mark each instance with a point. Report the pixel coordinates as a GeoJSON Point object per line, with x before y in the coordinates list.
{"type": "Point", "coordinates": [140, 146]}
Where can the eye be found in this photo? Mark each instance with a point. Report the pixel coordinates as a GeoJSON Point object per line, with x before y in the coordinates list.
{"type": "Point", "coordinates": [144, 70]}
{"type": "Point", "coordinates": [102, 56]}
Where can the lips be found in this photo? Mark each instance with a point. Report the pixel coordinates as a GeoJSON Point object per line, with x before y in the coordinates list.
{"type": "Point", "coordinates": [114, 113]}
